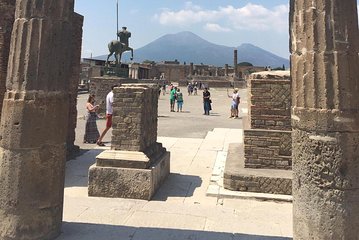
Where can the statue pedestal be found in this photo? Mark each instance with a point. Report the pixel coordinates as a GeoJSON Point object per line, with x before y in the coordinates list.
{"type": "Point", "coordinates": [117, 71]}
{"type": "Point", "coordinates": [128, 174]}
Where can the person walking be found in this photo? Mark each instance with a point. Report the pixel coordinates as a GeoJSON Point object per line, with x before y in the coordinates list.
{"type": "Point", "coordinates": [109, 112]}
{"type": "Point", "coordinates": [206, 101]}
{"type": "Point", "coordinates": [91, 131]}
{"type": "Point", "coordinates": [234, 103]}
{"type": "Point", "coordinates": [179, 100]}
{"type": "Point", "coordinates": [172, 99]}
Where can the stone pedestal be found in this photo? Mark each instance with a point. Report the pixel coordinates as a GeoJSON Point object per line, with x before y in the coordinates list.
{"type": "Point", "coordinates": [137, 165]}
{"type": "Point", "coordinates": [266, 162]}
{"type": "Point", "coordinates": [325, 117]}
{"type": "Point", "coordinates": [128, 174]}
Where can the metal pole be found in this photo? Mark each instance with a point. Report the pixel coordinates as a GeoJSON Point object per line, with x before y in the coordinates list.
{"type": "Point", "coordinates": [117, 20]}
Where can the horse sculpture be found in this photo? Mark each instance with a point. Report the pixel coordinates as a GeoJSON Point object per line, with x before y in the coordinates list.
{"type": "Point", "coordinates": [117, 48]}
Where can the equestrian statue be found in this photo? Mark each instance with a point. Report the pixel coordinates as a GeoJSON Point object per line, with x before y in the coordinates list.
{"type": "Point", "coordinates": [118, 47]}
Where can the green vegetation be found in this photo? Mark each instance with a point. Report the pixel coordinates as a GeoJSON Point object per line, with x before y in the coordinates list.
{"type": "Point", "coordinates": [245, 64]}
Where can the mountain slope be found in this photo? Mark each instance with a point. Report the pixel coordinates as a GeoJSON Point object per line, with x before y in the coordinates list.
{"type": "Point", "coordinates": [188, 47]}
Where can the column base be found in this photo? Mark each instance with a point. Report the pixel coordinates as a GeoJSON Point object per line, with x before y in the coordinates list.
{"type": "Point", "coordinates": [126, 174]}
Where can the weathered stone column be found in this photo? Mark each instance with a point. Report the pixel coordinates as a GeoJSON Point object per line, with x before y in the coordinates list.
{"type": "Point", "coordinates": [74, 81]}
{"type": "Point", "coordinates": [325, 118]}
{"type": "Point", "coordinates": [7, 15]}
{"type": "Point", "coordinates": [226, 70]}
{"type": "Point", "coordinates": [191, 69]}
{"type": "Point", "coordinates": [34, 121]}
{"type": "Point", "coordinates": [235, 62]}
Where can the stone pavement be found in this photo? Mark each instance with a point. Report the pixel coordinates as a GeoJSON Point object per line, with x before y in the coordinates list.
{"type": "Point", "coordinates": [181, 209]}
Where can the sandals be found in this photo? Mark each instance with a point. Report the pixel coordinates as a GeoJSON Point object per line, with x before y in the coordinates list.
{"type": "Point", "coordinates": [101, 144]}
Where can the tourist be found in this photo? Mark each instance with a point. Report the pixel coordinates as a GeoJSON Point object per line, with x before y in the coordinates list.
{"type": "Point", "coordinates": [179, 98]}
{"type": "Point", "coordinates": [91, 131]}
{"type": "Point", "coordinates": [109, 112]}
{"type": "Point", "coordinates": [172, 99]}
{"type": "Point", "coordinates": [164, 89]}
{"type": "Point", "coordinates": [195, 90]}
{"type": "Point", "coordinates": [235, 102]}
{"type": "Point", "coordinates": [189, 89]}
{"type": "Point", "coordinates": [206, 101]}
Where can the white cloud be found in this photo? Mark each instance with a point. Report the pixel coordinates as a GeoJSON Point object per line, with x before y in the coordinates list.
{"type": "Point", "coordinates": [214, 27]}
{"type": "Point", "coordinates": [251, 16]}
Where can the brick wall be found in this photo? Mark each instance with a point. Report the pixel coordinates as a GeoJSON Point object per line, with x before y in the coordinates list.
{"type": "Point", "coordinates": [268, 149]}
{"type": "Point", "coordinates": [101, 86]}
{"type": "Point", "coordinates": [268, 144]}
{"type": "Point", "coordinates": [135, 117]}
{"type": "Point", "coordinates": [270, 103]}
{"type": "Point", "coordinates": [7, 15]}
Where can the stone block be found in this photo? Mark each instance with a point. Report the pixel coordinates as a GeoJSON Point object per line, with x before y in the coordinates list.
{"type": "Point", "coordinates": [128, 181]}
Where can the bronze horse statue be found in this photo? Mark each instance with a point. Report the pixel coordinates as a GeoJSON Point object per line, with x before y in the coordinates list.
{"type": "Point", "coordinates": [116, 47]}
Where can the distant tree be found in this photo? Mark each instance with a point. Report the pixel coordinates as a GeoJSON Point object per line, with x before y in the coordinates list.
{"type": "Point", "coordinates": [245, 64]}
{"type": "Point", "coordinates": [148, 62]}
{"type": "Point", "coordinates": [278, 69]}
{"type": "Point", "coordinates": [283, 67]}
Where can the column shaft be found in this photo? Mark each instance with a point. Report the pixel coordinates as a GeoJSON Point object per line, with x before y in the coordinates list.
{"type": "Point", "coordinates": [34, 121]}
{"type": "Point", "coordinates": [325, 118]}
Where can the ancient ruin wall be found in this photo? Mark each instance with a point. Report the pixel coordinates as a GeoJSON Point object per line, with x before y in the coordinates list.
{"type": "Point", "coordinates": [34, 121]}
{"type": "Point", "coordinates": [325, 114]}
{"type": "Point", "coordinates": [7, 17]}
{"type": "Point", "coordinates": [135, 117]}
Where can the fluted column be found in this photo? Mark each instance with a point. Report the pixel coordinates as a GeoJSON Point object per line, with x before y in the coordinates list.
{"type": "Point", "coordinates": [7, 15]}
{"type": "Point", "coordinates": [325, 118]}
{"type": "Point", "coordinates": [34, 121]}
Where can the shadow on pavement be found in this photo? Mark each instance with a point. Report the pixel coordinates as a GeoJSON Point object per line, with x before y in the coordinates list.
{"type": "Point", "coordinates": [80, 231]}
{"type": "Point", "coordinates": [77, 169]}
{"type": "Point", "coordinates": [177, 185]}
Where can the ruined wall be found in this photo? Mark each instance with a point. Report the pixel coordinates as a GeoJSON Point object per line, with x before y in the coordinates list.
{"type": "Point", "coordinates": [7, 17]}
{"type": "Point", "coordinates": [135, 117]}
{"type": "Point", "coordinates": [172, 72]}
{"type": "Point", "coordinates": [268, 143]}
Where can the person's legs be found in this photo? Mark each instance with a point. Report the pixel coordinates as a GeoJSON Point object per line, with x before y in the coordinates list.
{"type": "Point", "coordinates": [108, 126]}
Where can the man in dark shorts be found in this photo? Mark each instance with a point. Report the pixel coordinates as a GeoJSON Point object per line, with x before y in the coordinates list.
{"type": "Point", "coordinates": [109, 111]}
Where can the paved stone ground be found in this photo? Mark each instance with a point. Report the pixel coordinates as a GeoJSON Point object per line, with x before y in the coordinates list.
{"type": "Point", "coordinates": [180, 209]}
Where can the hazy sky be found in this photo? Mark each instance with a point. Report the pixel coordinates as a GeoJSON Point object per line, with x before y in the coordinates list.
{"type": "Point", "coordinates": [263, 23]}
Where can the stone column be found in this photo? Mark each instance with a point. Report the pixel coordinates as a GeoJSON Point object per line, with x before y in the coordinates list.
{"type": "Point", "coordinates": [191, 69]}
{"type": "Point", "coordinates": [226, 70]}
{"type": "Point", "coordinates": [235, 62]}
{"type": "Point", "coordinates": [7, 15]}
{"type": "Point", "coordinates": [74, 81]}
{"type": "Point", "coordinates": [34, 121]}
{"type": "Point", "coordinates": [325, 118]}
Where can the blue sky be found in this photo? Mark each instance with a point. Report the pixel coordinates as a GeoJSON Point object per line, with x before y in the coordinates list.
{"type": "Point", "coordinates": [263, 23]}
